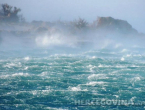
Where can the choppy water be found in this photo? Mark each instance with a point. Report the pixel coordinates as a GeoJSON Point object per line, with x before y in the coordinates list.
{"type": "Point", "coordinates": [41, 80]}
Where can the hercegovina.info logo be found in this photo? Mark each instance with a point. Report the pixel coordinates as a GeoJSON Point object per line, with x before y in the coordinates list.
{"type": "Point", "coordinates": [104, 102]}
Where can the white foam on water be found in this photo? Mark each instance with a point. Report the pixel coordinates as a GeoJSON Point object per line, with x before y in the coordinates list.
{"type": "Point", "coordinates": [34, 92]}
{"type": "Point", "coordinates": [27, 58]}
{"type": "Point", "coordinates": [96, 76]}
{"type": "Point", "coordinates": [91, 67]}
{"type": "Point", "coordinates": [122, 59]}
{"type": "Point", "coordinates": [120, 66]}
{"type": "Point", "coordinates": [124, 50]}
{"type": "Point", "coordinates": [45, 92]}
{"type": "Point", "coordinates": [114, 78]}
{"type": "Point", "coordinates": [133, 98]}
{"type": "Point", "coordinates": [136, 66]}
{"type": "Point", "coordinates": [114, 73]}
{"type": "Point", "coordinates": [117, 96]}
{"type": "Point", "coordinates": [93, 57]}
{"type": "Point", "coordinates": [95, 83]}
{"type": "Point", "coordinates": [100, 65]}
{"type": "Point", "coordinates": [103, 88]}
{"type": "Point", "coordinates": [20, 74]}
{"type": "Point", "coordinates": [44, 74]}
{"type": "Point", "coordinates": [40, 92]}
{"type": "Point", "coordinates": [75, 88]}
{"type": "Point", "coordinates": [106, 66]}
{"type": "Point", "coordinates": [26, 68]}
{"type": "Point", "coordinates": [137, 78]}
{"type": "Point", "coordinates": [9, 65]}
{"type": "Point", "coordinates": [4, 76]}
{"type": "Point", "coordinates": [13, 64]}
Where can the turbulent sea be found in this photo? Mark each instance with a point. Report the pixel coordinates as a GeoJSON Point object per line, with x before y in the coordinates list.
{"type": "Point", "coordinates": [100, 79]}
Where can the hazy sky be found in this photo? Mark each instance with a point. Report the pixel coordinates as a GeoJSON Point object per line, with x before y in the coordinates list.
{"type": "Point", "coordinates": [51, 10]}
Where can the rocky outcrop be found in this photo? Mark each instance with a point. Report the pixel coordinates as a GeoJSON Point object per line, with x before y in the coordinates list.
{"type": "Point", "coordinates": [115, 25]}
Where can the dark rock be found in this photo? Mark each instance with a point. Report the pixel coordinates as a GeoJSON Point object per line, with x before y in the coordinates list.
{"type": "Point", "coordinates": [115, 25]}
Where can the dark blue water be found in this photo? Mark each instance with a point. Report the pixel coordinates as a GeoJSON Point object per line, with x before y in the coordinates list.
{"type": "Point", "coordinates": [87, 80]}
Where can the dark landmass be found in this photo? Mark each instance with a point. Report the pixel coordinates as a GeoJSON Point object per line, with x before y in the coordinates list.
{"type": "Point", "coordinates": [12, 24]}
{"type": "Point", "coordinates": [115, 25]}
{"type": "Point", "coordinates": [101, 25]}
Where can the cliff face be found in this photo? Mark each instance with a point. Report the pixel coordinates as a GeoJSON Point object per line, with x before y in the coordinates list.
{"type": "Point", "coordinates": [115, 25]}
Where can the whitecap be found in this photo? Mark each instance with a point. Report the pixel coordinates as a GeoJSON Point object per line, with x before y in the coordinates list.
{"type": "Point", "coordinates": [106, 66]}
{"type": "Point", "coordinates": [95, 83]}
{"type": "Point", "coordinates": [9, 65]}
{"type": "Point", "coordinates": [43, 74]}
{"type": "Point", "coordinates": [20, 74]}
{"type": "Point", "coordinates": [117, 96]}
{"type": "Point", "coordinates": [75, 88]}
{"type": "Point", "coordinates": [91, 68]}
{"type": "Point", "coordinates": [96, 76]}
{"type": "Point", "coordinates": [124, 50]}
{"type": "Point", "coordinates": [120, 66]}
{"type": "Point", "coordinates": [122, 59]}
{"type": "Point", "coordinates": [100, 65]}
{"type": "Point", "coordinates": [26, 68]}
{"type": "Point", "coordinates": [27, 58]}
{"type": "Point", "coordinates": [137, 78]}
{"type": "Point", "coordinates": [93, 57]}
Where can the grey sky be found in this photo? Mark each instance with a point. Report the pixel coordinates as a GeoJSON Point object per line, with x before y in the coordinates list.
{"type": "Point", "coordinates": [51, 10]}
